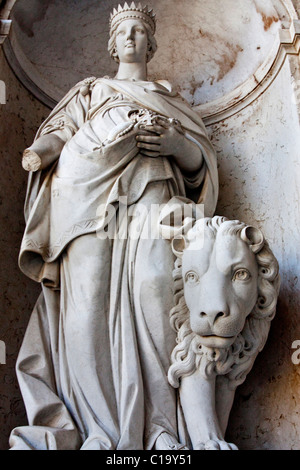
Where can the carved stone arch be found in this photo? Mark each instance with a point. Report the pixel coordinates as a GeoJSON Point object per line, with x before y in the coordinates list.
{"type": "Point", "coordinates": [5, 22]}
{"type": "Point", "coordinates": [222, 100]}
{"type": "Point", "coordinates": [6, 7]}
{"type": "Point", "coordinates": [286, 43]}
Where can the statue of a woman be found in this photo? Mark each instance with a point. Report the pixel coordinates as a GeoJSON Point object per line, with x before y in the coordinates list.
{"type": "Point", "coordinates": [94, 361]}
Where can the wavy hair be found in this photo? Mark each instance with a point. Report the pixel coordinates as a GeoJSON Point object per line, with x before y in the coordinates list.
{"type": "Point", "coordinates": [235, 361]}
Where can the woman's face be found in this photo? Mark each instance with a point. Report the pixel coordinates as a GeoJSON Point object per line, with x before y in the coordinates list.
{"type": "Point", "coordinates": [132, 41]}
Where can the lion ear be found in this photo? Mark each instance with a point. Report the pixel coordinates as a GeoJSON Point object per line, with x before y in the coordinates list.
{"type": "Point", "coordinates": [253, 237]}
{"type": "Point", "coordinates": [178, 245]}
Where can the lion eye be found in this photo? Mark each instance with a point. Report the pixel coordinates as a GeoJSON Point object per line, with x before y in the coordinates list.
{"type": "Point", "coordinates": [191, 277]}
{"type": "Point", "coordinates": [241, 275]}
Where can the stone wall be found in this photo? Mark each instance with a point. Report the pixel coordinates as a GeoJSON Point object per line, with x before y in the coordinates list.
{"type": "Point", "coordinates": [296, 4]}
{"type": "Point", "coordinates": [19, 119]}
{"type": "Point", "coordinates": [259, 171]}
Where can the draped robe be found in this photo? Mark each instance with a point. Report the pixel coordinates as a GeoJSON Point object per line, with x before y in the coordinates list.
{"type": "Point", "coordinates": [93, 364]}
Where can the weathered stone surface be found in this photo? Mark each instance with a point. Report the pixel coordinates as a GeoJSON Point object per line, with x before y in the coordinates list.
{"type": "Point", "coordinates": [19, 119]}
{"type": "Point", "coordinates": [259, 181]}
{"type": "Point", "coordinates": [229, 43]}
{"type": "Point", "coordinates": [259, 172]}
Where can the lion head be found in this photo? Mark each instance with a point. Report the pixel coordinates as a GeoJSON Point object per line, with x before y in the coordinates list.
{"type": "Point", "coordinates": [227, 284]}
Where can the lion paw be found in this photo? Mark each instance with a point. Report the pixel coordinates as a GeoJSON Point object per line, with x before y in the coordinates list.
{"type": "Point", "coordinates": [167, 442]}
{"type": "Point", "coordinates": [216, 444]}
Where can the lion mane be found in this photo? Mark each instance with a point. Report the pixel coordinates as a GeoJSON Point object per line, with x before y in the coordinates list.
{"type": "Point", "coordinates": [234, 362]}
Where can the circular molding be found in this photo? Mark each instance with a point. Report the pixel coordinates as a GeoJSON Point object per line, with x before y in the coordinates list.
{"type": "Point", "coordinates": [287, 42]}
{"type": "Point", "coordinates": [6, 8]}
{"type": "Point", "coordinates": [28, 75]}
{"type": "Point", "coordinates": [5, 22]}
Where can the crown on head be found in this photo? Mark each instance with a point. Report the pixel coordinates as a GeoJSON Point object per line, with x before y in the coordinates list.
{"type": "Point", "coordinates": [130, 12]}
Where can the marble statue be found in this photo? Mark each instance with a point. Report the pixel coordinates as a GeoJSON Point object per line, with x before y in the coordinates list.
{"type": "Point", "coordinates": [122, 352]}
{"type": "Point", "coordinates": [227, 284]}
{"type": "Point", "coordinates": [94, 362]}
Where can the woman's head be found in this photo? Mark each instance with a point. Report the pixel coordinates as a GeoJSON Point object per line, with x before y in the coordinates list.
{"type": "Point", "coordinates": [128, 23]}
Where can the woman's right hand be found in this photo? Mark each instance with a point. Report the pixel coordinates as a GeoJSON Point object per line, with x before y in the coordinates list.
{"type": "Point", "coordinates": [161, 138]}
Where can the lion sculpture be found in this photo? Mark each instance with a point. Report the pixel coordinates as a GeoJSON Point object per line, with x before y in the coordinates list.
{"type": "Point", "coordinates": [226, 288]}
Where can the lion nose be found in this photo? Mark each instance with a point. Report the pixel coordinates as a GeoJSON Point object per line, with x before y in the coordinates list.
{"type": "Point", "coordinates": [213, 315]}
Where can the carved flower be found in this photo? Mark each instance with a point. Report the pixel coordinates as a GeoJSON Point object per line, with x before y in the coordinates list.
{"type": "Point", "coordinates": [59, 124]}
{"type": "Point", "coordinates": [87, 82]}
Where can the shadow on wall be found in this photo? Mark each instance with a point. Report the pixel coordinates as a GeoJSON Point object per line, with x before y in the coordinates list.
{"type": "Point", "coordinates": [20, 118]}
{"type": "Point", "coordinates": [261, 417]}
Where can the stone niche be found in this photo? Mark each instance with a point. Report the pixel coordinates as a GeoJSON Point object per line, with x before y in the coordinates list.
{"type": "Point", "coordinates": [208, 49]}
{"type": "Point", "coordinates": [237, 63]}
